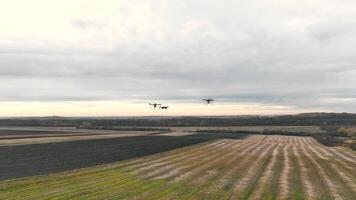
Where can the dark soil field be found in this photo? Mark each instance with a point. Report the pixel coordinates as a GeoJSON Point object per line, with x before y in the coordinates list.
{"type": "Point", "coordinates": [28, 160]}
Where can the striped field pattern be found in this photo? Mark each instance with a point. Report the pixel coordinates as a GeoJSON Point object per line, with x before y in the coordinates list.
{"type": "Point", "coordinates": [257, 167]}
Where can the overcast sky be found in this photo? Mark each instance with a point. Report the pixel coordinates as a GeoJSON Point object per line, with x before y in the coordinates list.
{"type": "Point", "coordinates": [96, 57]}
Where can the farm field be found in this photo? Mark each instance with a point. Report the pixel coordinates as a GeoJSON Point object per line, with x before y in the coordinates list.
{"type": "Point", "coordinates": [34, 159]}
{"type": "Point", "coordinates": [257, 167]}
{"type": "Point", "coordinates": [36, 139]}
{"type": "Point", "coordinates": [18, 132]}
{"type": "Point", "coordinates": [305, 129]}
{"type": "Point", "coordinates": [36, 135]}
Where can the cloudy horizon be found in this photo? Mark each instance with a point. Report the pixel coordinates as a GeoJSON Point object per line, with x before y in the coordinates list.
{"type": "Point", "coordinates": [111, 58]}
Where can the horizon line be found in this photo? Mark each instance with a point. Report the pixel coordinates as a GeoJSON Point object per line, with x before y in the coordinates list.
{"type": "Point", "coordinates": [168, 116]}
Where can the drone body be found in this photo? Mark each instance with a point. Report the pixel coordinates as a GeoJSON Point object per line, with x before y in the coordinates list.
{"type": "Point", "coordinates": [155, 105]}
{"type": "Point", "coordinates": [208, 101]}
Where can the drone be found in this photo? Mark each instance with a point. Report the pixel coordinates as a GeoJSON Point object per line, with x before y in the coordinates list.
{"type": "Point", "coordinates": [164, 107]}
{"type": "Point", "coordinates": [155, 105]}
{"type": "Point", "coordinates": [208, 101]}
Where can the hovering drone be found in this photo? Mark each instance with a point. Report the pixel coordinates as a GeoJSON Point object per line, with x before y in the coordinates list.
{"type": "Point", "coordinates": [164, 107]}
{"type": "Point", "coordinates": [208, 101]}
{"type": "Point", "coordinates": [155, 105]}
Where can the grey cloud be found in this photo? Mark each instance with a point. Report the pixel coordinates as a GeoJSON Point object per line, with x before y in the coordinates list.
{"type": "Point", "coordinates": [334, 29]}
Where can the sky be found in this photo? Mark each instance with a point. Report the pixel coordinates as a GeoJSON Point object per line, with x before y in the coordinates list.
{"type": "Point", "coordinates": [113, 57]}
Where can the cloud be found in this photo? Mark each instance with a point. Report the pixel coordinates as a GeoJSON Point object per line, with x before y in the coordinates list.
{"type": "Point", "coordinates": [333, 30]}
{"type": "Point", "coordinates": [297, 53]}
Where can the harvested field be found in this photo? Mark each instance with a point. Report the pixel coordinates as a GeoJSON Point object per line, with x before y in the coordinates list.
{"type": "Point", "coordinates": [258, 167]}
{"type": "Point", "coordinates": [37, 135]}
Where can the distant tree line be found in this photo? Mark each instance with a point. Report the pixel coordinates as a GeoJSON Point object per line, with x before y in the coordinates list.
{"type": "Point", "coordinates": [337, 136]}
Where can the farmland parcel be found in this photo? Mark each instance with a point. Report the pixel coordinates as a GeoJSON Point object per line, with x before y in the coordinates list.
{"type": "Point", "coordinates": [258, 167]}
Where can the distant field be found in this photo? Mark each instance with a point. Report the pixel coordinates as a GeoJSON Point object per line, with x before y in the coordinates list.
{"type": "Point", "coordinates": [259, 167]}
{"type": "Point", "coordinates": [36, 135]}
{"type": "Point", "coordinates": [54, 138]}
{"type": "Point", "coordinates": [306, 129]}
{"type": "Point", "coordinates": [31, 132]}
{"type": "Point", "coordinates": [49, 131]}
